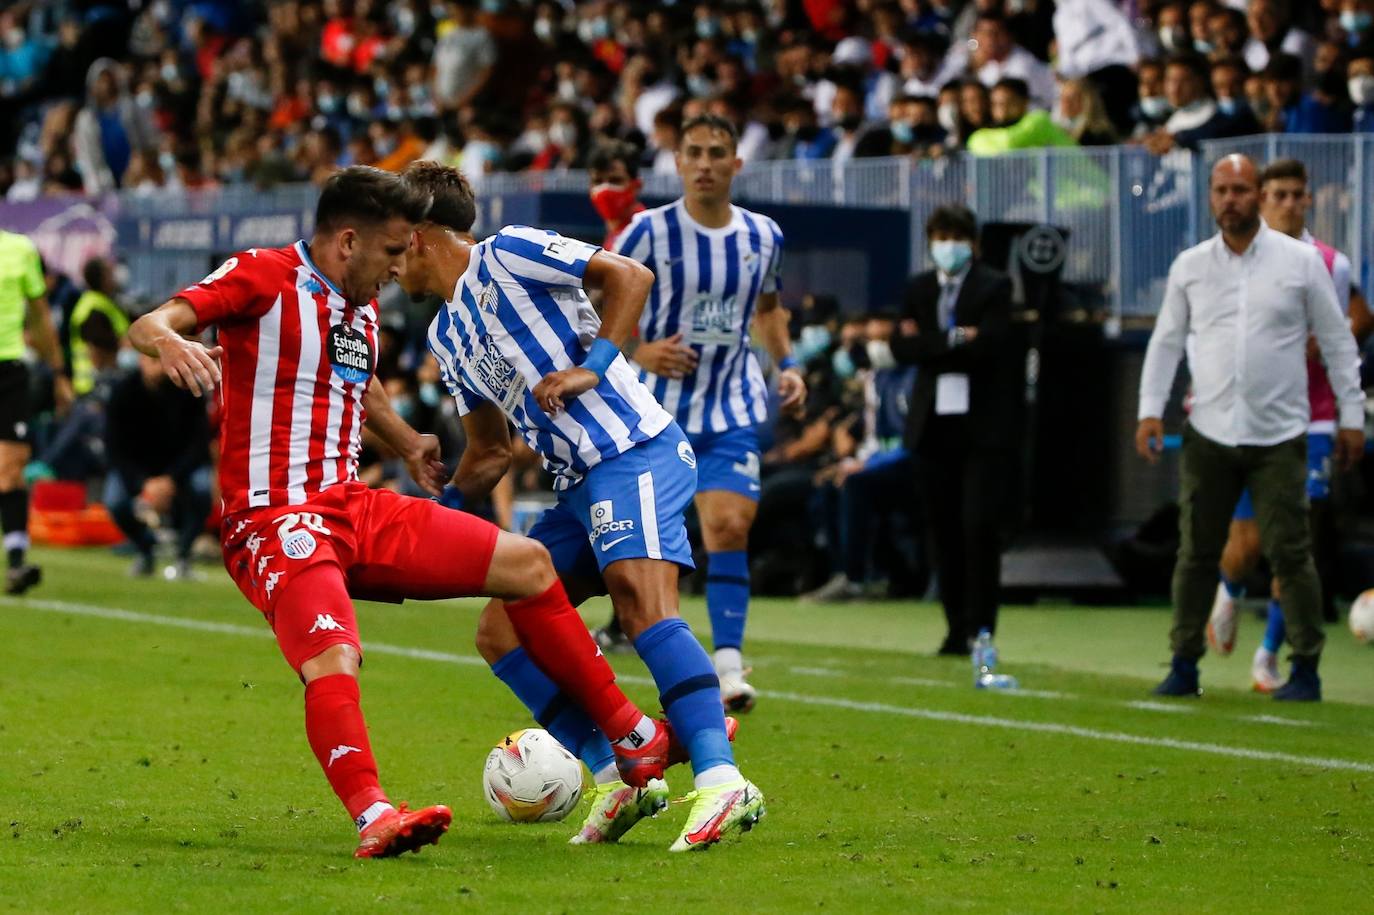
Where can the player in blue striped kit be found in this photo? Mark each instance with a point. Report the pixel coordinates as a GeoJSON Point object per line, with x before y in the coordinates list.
{"type": "Point", "coordinates": [717, 274]}
{"type": "Point", "coordinates": [519, 344]}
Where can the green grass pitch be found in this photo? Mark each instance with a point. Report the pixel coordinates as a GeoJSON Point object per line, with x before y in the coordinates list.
{"type": "Point", "coordinates": [153, 759]}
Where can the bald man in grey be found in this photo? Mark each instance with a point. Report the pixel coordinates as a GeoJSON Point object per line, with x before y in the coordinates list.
{"type": "Point", "coordinates": [1243, 304]}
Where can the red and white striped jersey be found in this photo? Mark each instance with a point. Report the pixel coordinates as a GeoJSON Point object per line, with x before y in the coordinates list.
{"type": "Point", "coordinates": [297, 361]}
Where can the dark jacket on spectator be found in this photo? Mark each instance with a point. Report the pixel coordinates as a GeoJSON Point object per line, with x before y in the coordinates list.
{"type": "Point", "coordinates": [154, 432]}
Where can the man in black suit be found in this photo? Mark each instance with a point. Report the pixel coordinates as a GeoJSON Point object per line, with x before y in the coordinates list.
{"type": "Point", "coordinates": [964, 419]}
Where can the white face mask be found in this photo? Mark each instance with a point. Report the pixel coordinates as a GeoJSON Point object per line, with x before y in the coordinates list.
{"type": "Point", "coordinates": [1361, 90]}
{"type": "Point", "coordinates": [563, 134]}
{"type": "Point", "coordinates": [948, 116]}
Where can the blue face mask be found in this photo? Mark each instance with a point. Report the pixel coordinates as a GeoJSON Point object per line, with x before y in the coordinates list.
{"type": "Point", "coordinates": [429, 394]}
{"type": "Point", "coordinates": [903, 132]}
{"type": "Point", "coordinates": [950, 256]}
{"type": "Point", "coordinates": [1356, 21]}
{"type": "Point", "coordinates": [1228, 106]}
{"type": "Point", "coordinates": [843, 363]}
{"type": "Point", "coordinates": [814, 340]}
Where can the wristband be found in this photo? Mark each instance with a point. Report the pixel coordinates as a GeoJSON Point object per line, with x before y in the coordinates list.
{"type": "Point", "coordinates": [600, 356]}
{"type": "Point", "coordinates": [788, 362]}
{"type": "Point", "coordinates": [452, 497]}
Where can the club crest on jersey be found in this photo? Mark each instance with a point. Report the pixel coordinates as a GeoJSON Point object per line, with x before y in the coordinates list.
{"type": "Point", "coordinates": [687, 455]}
{"type": "Point", "coordinates": [350, 354]}
{"type": "Point", "coordinates": [298, 545]}
{"type": "Point", "coordinates": [314, 286]}
{"type": "Point", "coordinates": [487, 302]}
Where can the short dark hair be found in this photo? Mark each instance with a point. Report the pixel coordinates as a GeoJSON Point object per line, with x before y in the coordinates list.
{"type": "Point", "coordinates": [952, 219]}
{"type": "Point", "coordinates": [1194, 63]}
{"type": "Point", "coordinates": [1015, 86]}
{"type": "Point", "coordinates": [363, 195]}
{"type": "Point", "coordinates": [1281, 169]}
{"type": "Point", "coordinates": [609, 152]}
{"type": "Point", "coordinates": [453, 204]}
{"type": "Point", "coordinates": [715, 122]}
{"type": "Point", "coordinates": [1284, 67]}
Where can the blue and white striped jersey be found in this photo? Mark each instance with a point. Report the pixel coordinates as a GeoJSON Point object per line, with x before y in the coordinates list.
{"type": "Point", "coordinates": [518, 313]}
{"type": "Point", "coordinates": [707, 283]}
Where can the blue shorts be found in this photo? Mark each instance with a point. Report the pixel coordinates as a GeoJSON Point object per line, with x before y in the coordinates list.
{"type": "Point", "coordinates": [628, 507]}
{"type": "Point", "coordinates": [1320, 445]}
{"type": "Point", "coordinates": [728, 460]}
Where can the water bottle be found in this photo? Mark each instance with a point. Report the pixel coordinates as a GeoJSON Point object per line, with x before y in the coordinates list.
{"type": "Point", "coordinates": [984, 656]}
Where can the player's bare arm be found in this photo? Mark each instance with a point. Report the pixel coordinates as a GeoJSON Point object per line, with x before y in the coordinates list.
{"type": "Point", "coordinates": [44, 338]}
{"type": "Point", "coordinates": [189, 363]}
{"type": "Point", "coordinates": [420, 451]}
{"type": "Point", "coordinates": [770, 323]}
{"type": "Point", "coordinates": [624, 286]}
{"type": "Point", "coordinates": [487, 456]}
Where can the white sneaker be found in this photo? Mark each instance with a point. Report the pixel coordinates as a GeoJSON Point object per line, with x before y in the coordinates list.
{"type": "Point", "coordinates": [838, 588]}
{"type": "Point", "coordinates": [1221, 625]}
{"type": "Point", "coordinates": [735, 692]}
{"type": "Point", "coordinates": [1264, 671]}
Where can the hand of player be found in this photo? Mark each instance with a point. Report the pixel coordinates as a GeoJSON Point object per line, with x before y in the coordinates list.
{"type": "Point", "coordinates": [667, 357]}
{"type": "Point", "coordinates": [158, 492]}
{"type": "Point", "coordinates": [792, 390]}
{"type": "Point", "coordinates": [1349, 448]}
{"type": "Point", "coordinates": [970, 333]}
{"type": "Point", "coordinates": [190, 364]}
{"type": "Point", "coordinates": [62, 394]}
{"type": "Point", "coordinates": [1149, 438]}
{"type": "Point", "coordinates": [555, 389]}
{"type": "Point", "coordinates": [422, 460]}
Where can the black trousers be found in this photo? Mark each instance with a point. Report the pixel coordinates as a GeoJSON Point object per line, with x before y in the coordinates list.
{"type": "Point", "coordinates": [968, 494]}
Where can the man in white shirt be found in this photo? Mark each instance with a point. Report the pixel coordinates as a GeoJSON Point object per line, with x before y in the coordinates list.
{"type": "Point", "coordinates": [992, 55]}
{"type": "Point", "coordinates": [1249, 297]}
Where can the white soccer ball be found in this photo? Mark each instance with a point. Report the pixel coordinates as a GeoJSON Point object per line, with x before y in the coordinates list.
{"type": "Point", "coordinates": [1362, 617]}
{"type": "Point", "coordinates": [530, 778]}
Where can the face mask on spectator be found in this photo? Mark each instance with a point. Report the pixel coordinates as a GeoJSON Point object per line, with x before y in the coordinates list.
{"type": "Point", "coordinates": [385, 146]}
{"type": "Point", "coordinates": [404, 405]}
{"type": "Point", "coordinates": [843, 363]}
{"type": "Point", "coordinates": [1173, 38]}
{"type": "Point", "coordinates": [616, 203]}
{"type": "Point", "coordinates": [14, 38]}
{"type": "Point", "coordinates": [708, 27]}
{"type": "Point", "coordinates": [903, 132]}
{"type": "Point", "coordinates": [1361, 90]}
{"type": "Point", "coordinates": [327, 103]}
{"type": "Point", "coordinates": [127, 359]}
{"type": "Point", "coordinates": [358, 108]}
{"type": "Point", "coordinates": [814, 340]}
{"type": "Point", "coordinates": [437, 11]}
{"type": "Point", "coordinates": [1155, 107]}
{"type": "Point", "coordinates": [699, 86]}
{"type": "Point", "coordinates": [145, 98]}
{"type": "Point", "coordinates": [567, 90]}
{"type": "Point", "coordinates": [950, 255]}
{"type": "Point", "coordinates": [543, 30]}
{"type": "Point", "coordinates": [948, 116]}
{"type": "Point", "coordinates": [405, 21]}
{"type": "Point", "coordinates": [493, 6]}
{"type": "Point", "coordinates": [169, 73]}
{"type": "Point", "coordinates": [419, 93]}
{"type": "Point", "coordinates": [1228, 106]}
{"type": "Point", "coordinates": [563, 134]}
{"type": "Point", "coordinates": [1356, 21]}
{"type": "Point", "coordinates": [1203, 46]}
{"type": "Point", "coordinates": [429, 394]}
{"type": "Point", "coordinates": [749, 36]}
{"type": "Point", "coordinates": [167, 161]}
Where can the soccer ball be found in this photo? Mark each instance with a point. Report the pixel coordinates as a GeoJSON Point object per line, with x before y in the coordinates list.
{"type": "Point", "coordinates": [1362, 617]}
{"type": "Point", "coordinates": [531, 778]}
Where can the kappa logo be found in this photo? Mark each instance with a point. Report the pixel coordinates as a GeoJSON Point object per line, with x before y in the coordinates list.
{"type": "Point", "coordinates": [238, 529]}
{"type": "Point", "coordinates": [603, 521]}
{"type": "Point", "coordinates": [272, 581]}
{"type": "Point", "coordinates": [264, 559]}
{"type": "Point", "coordinates": [314, 286]}
{"type": "Point", "coordinates": [340, 752]}
{"type": "Point", "coordinates": [687, 455]}
{"type": "Point", "coordinates": [325, 622]}
{"type": "Point", "coordinates": [254, 543]}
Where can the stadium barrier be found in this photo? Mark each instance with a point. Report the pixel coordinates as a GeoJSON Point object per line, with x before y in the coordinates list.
{"type": "Point", "coordinates": [1109, 220]}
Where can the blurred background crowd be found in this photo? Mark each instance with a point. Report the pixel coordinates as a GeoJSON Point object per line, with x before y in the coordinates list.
{"type": "Point", "coordinates": [142, 94]}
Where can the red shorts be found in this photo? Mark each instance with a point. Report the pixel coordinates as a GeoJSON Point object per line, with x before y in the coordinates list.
{"type": "Point", "coordinates": [372, 544]}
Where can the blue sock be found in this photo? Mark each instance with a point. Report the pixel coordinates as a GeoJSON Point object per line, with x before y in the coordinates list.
{"type": "Point", "coordinates": [1274, 631]}
{"type": "Point", "coordinates": [1234, 588]}
{"type": "Point", "coordinates": [554, 711]}
{"type": "Point", "coordinates": [727, 596]}
{"type": "Point", "coordinates": [689, 691]}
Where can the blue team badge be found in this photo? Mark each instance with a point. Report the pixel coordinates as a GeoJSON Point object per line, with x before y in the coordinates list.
{"type": "Point", "coordinates": [350, 354]}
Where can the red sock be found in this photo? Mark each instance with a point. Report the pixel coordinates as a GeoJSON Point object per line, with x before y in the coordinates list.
{"type": "Point", "coordinates": [338, 734]}
{"type": "Point", "coordinates": [556, 638]}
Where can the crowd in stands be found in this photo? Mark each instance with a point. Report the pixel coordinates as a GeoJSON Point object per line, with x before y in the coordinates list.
{"type": "Point", "coordinates": [143, 94]}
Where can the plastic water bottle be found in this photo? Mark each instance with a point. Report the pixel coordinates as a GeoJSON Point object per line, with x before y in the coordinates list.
{"type": "Point", "coordinates": [985, 674]}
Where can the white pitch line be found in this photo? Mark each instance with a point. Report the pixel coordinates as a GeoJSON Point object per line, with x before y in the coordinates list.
{"type": "Point", "coordinates": [920, 681]}
{"type": "Point", "coordinates": [816, 671]}
{"type": "Point", "coordinates": [1172, 708]}
{"type": "Point", "coordinates": [1275, 719]}
{"type": "Point", "coordinates": [990, 721]}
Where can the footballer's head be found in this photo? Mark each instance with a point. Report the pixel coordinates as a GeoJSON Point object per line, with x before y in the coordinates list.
{"type": "Point", "coordinates": [452, 211]}
{"type": "Point", "coordinates": [707, 158]}
{"type": "Point", "coordinates": [363, 224]}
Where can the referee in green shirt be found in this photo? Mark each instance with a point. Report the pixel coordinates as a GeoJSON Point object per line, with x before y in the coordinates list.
{"type": "Point", "coordinates": [23, 303]}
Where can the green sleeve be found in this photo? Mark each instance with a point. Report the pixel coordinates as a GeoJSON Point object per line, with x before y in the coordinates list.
{"type": "Point", "coordinates": [32, 279]}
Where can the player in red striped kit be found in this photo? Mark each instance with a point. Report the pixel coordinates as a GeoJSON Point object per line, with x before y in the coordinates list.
{"type": "Point", "coordinates": [301, 536]}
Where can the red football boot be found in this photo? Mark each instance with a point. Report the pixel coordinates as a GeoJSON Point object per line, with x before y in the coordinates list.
{"type": "Point", "coordinates": [401, 830]}
{"type": "Point", "coordinates": [677, 751]}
